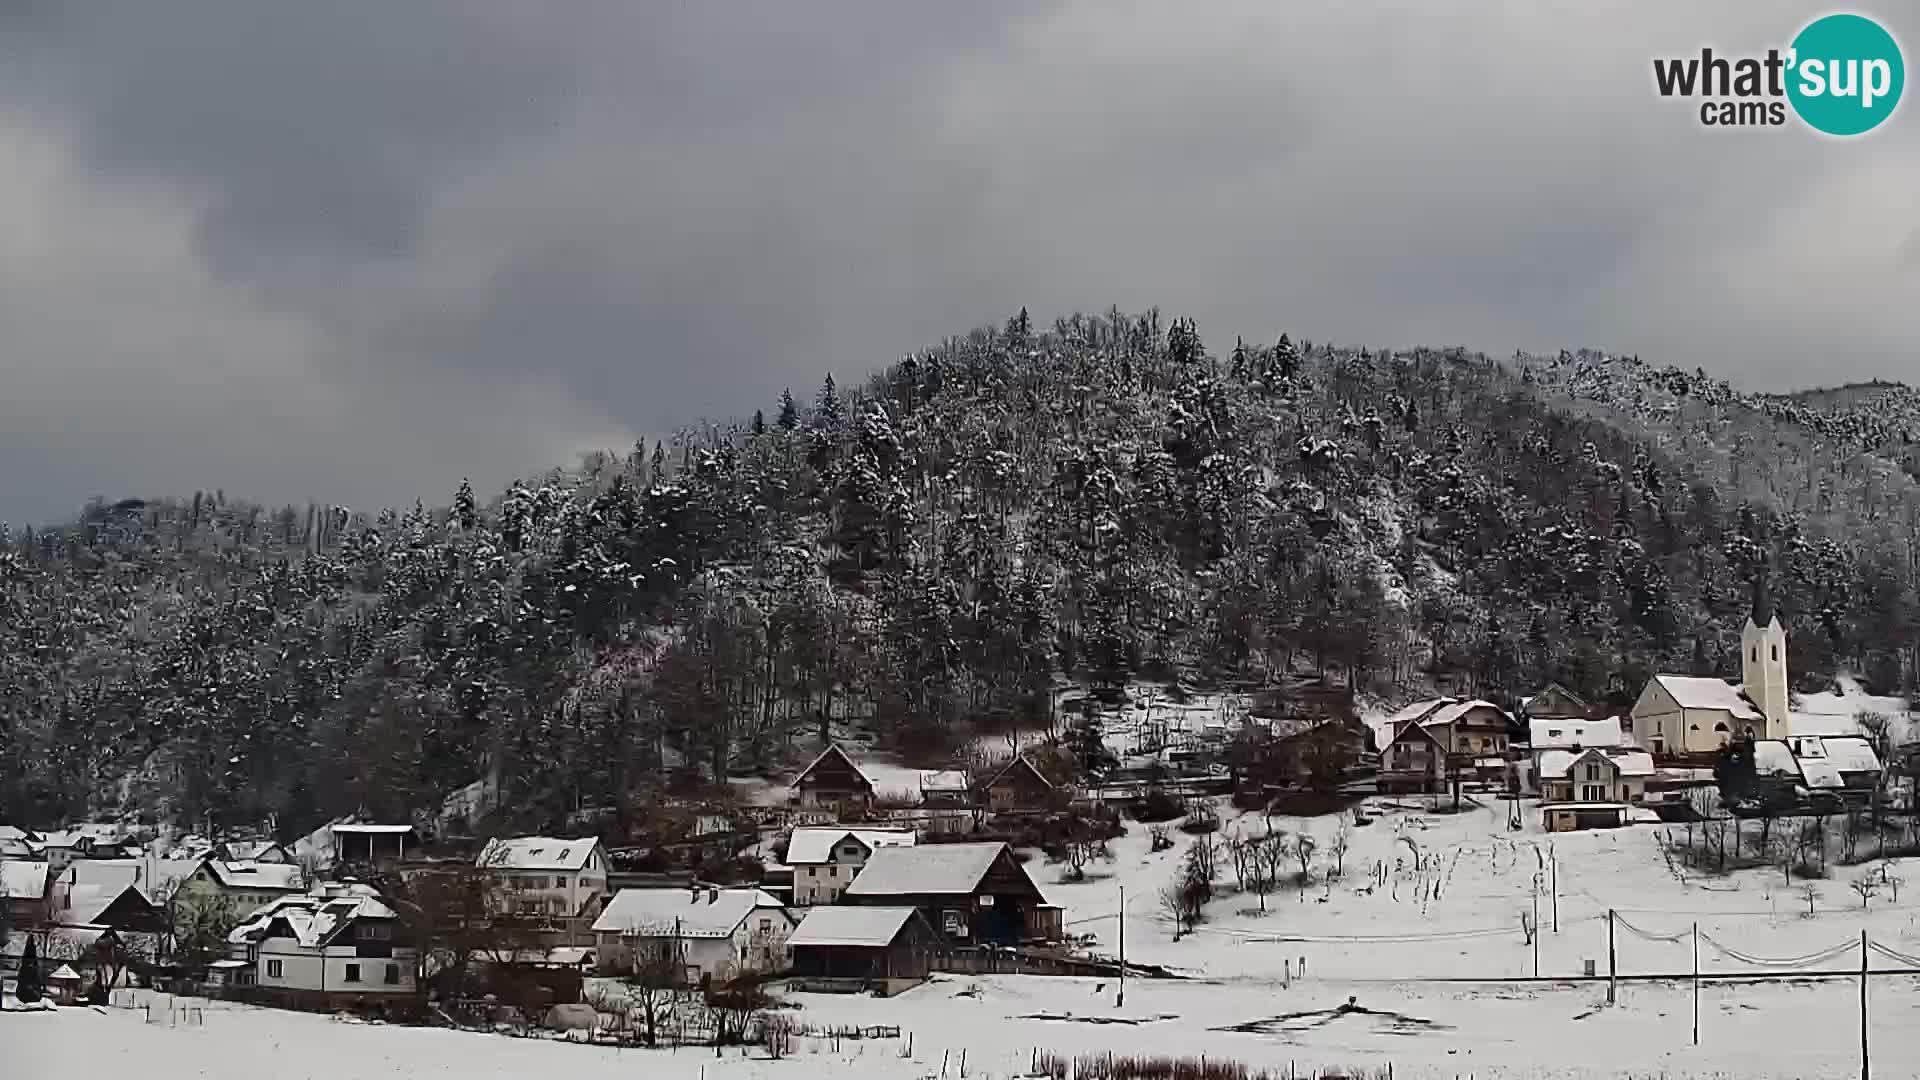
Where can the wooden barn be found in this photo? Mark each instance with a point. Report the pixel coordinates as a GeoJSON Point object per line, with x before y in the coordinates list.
{"type": "Point", "coordinates": [972, 894]}
{"type": "Point", "coordinates": [833, 780]}
{"type": "Point", "coordinates": [861, 948]}
{"type": "Point", "coordinates": [1021, 786]}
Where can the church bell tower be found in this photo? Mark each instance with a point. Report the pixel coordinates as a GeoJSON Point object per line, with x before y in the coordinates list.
{"type": "Point", "coordinates": [1763, 662]}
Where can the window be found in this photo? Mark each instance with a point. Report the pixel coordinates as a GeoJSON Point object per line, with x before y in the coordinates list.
{"type": "Point", "coordinates": [1776, 654]}
{"type": "Point", "coordinates": [393, 974]}
{"type": "Point", "coordinates": [273, 969]}
{"type": "Point", "coordinates": [1593, 771]}
{"type": "Point", "coordinates": [813, 871]}
{"type": "Point", "coordinates": [1753, 654]}
{"type": "Point", "coordinates": [1593, 792]}
{"type": "Point", "coordinates": [353, 972]}
{"type": "Point", "coordinates": [376, 932]}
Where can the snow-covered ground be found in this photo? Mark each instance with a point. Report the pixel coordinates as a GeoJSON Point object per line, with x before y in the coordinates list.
{"type": "Point", "coordinates": [1800, 1030]}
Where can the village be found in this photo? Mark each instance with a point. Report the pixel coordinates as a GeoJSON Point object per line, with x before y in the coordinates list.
{"type": "Point", "coordinates": [1167, 838]}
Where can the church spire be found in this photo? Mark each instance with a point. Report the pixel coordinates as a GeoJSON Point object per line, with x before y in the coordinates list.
{"type": "Point", "coordinates": [1762, 600]}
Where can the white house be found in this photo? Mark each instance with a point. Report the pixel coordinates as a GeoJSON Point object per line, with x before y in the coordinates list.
{"type": "Point", "coordinates": [548, 876]}
{"type": "Point", "coordinates": [1682, 714]}
{"type": "Point", "coordinates": [1597, 775]}
{"type": "Point", "coordinates": [826, 858]}
{"type": "Point", "coordinates": [328, 950]}
{"type": "Point", "coordinates": [1550, 735]}
{"type": "Point", "coordinates": [710, 933]}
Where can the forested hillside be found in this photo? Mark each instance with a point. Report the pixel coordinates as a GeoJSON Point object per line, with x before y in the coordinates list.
{"type": "Point", "coordinates": [930, 554]}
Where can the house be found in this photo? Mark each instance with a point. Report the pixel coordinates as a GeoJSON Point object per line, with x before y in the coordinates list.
{"type": "Point", "coordinates": [1681, 714]}
{"type": "Point", "coordinates": [343, 948]}
{"type": "Point", "coordinates": [1596, 775]}
{"type": "Point", "coordinates": [157, 879]}
{"type": "Point", "coordinates": [1560, 735]}
{"type": "Point", "coordinates": [705, 933]}
{"type": "Point", "coordinates": [826, 859]}
{"type": "Point", "coordinates": [1555, 702]}
{"type": "Point", "coordinates": [547, 876]}
{"type": "Point", "coordinates": [1853, 757]}
{"type": "Point", "coordinates": [886, 949]}
{"type": "Point", "coordinates": [365, 844]}
{"type": "Point", "coordinates": [1477, 729]}
{"type": "Point", "coordinates": [1298, 752]}
{"type": "Point", "coordinates": [1845, 766]}
{"type": "Point", "coordinates": [972, 893]}
{"type": "Point", "coordinates": [1020, 786]}
{"type": "Point", "coordinates": [247, 886]}
{"type": "Point", "coordinates": [23, 892]}
{"type": "Point", "coordinates": [125, 909]}
{"type": "Point", "coordinates": [1415, 761]}
{"type": "Point", "coordinates": [833, 781]}
{"type": "Point", "coordinates": [252, 851]}
{"type": "Point", "coordinates": [948, 789]}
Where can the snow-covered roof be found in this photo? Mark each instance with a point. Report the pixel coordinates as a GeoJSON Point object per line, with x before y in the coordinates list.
{"type": "Point", "coordinates": [813, 844]}
{"type": "Point", "coordinates": [256, 875]}
{"type": "Point", "coordinates": [361, 829]}
{"type": "Point", "coordinates": [1771, 757]}
{"type": "Point", "coordinates": [936, 869]}
{"type": "Point", "coordinates": [1556, 764]}
{"type": "Point", "coordinates": [1418, 710]}
{"type": "Point", "coordinates": [85, 904]}
{"type": "Point", "coordinates": [22, 880]}
{"type": "Point", "coordinates": [944, 780]}
{"type": "Point", "coordinates": [1694, 692]}
{"type": "Point", "coordinates": [687, 913]}
{"type": "Point", "coordinates": [152, 876]}
{"type": "Point", "coordinates": [248, 850]}
{"type": "Point", "coordinates": [1551, 807]}
{"type": "Point", "coordinates": [1454, 710]}
{"type": "Point", "coordinates": [537, 853]}
{"type": "Point", "coordinates": [63, 973]}
{"type": "Point", "coordinates": [1850, 754]}
{"type": "Point", "coordinates": [1553, 734]}
{"type": "Point", "coordinates": [312, 919]}
{"type": "Point", "coordinates": [843, 925]}
{"type": "Point", "coordinates": [1820, 774]}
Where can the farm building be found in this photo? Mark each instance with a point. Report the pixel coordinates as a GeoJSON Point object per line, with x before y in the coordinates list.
{"type": "Point", "coordinates": [971, 893]}
{"type": "Point", "coordinates": [832, 780]}
{"type": "Point", "coordinates": [884, 948]}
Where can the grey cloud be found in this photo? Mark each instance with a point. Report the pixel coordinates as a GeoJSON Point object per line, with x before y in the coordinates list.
{"type": "Point", "coordinates": [580, 223]}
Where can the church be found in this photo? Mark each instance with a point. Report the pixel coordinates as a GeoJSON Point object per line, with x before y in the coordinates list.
{"type": "Point", "coordinates": [1684, 714]}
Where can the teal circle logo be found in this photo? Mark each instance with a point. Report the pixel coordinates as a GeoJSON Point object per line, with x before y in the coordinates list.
{"type": "Point", "coordinates": [1847, 74]}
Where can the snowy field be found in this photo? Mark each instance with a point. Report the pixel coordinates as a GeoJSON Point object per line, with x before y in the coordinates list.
{"type": "Point", "coordinates": [1778, 1030]}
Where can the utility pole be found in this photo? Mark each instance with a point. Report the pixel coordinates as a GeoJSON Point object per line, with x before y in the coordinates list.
{"type": "Point", "coordinates": [1696, 984]}
{"type": "Point", "coordinates": [1613, 972]}
{"type": "Point", "coordinates": [1536, 926]}
{"type": "Point", "coordinates": [1120, 1000]}
{"type": "Point", "coordinates": [1553, 860]}
{"type": "Point", "coordinates": [1864, 1069]}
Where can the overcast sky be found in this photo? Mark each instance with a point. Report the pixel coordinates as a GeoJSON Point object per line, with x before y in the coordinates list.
{"type": "Point", "coordinates": [354, 251]}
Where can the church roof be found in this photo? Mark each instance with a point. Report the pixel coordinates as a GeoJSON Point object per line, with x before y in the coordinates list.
{"type": "Point", "coordinates": [1703, 693]}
